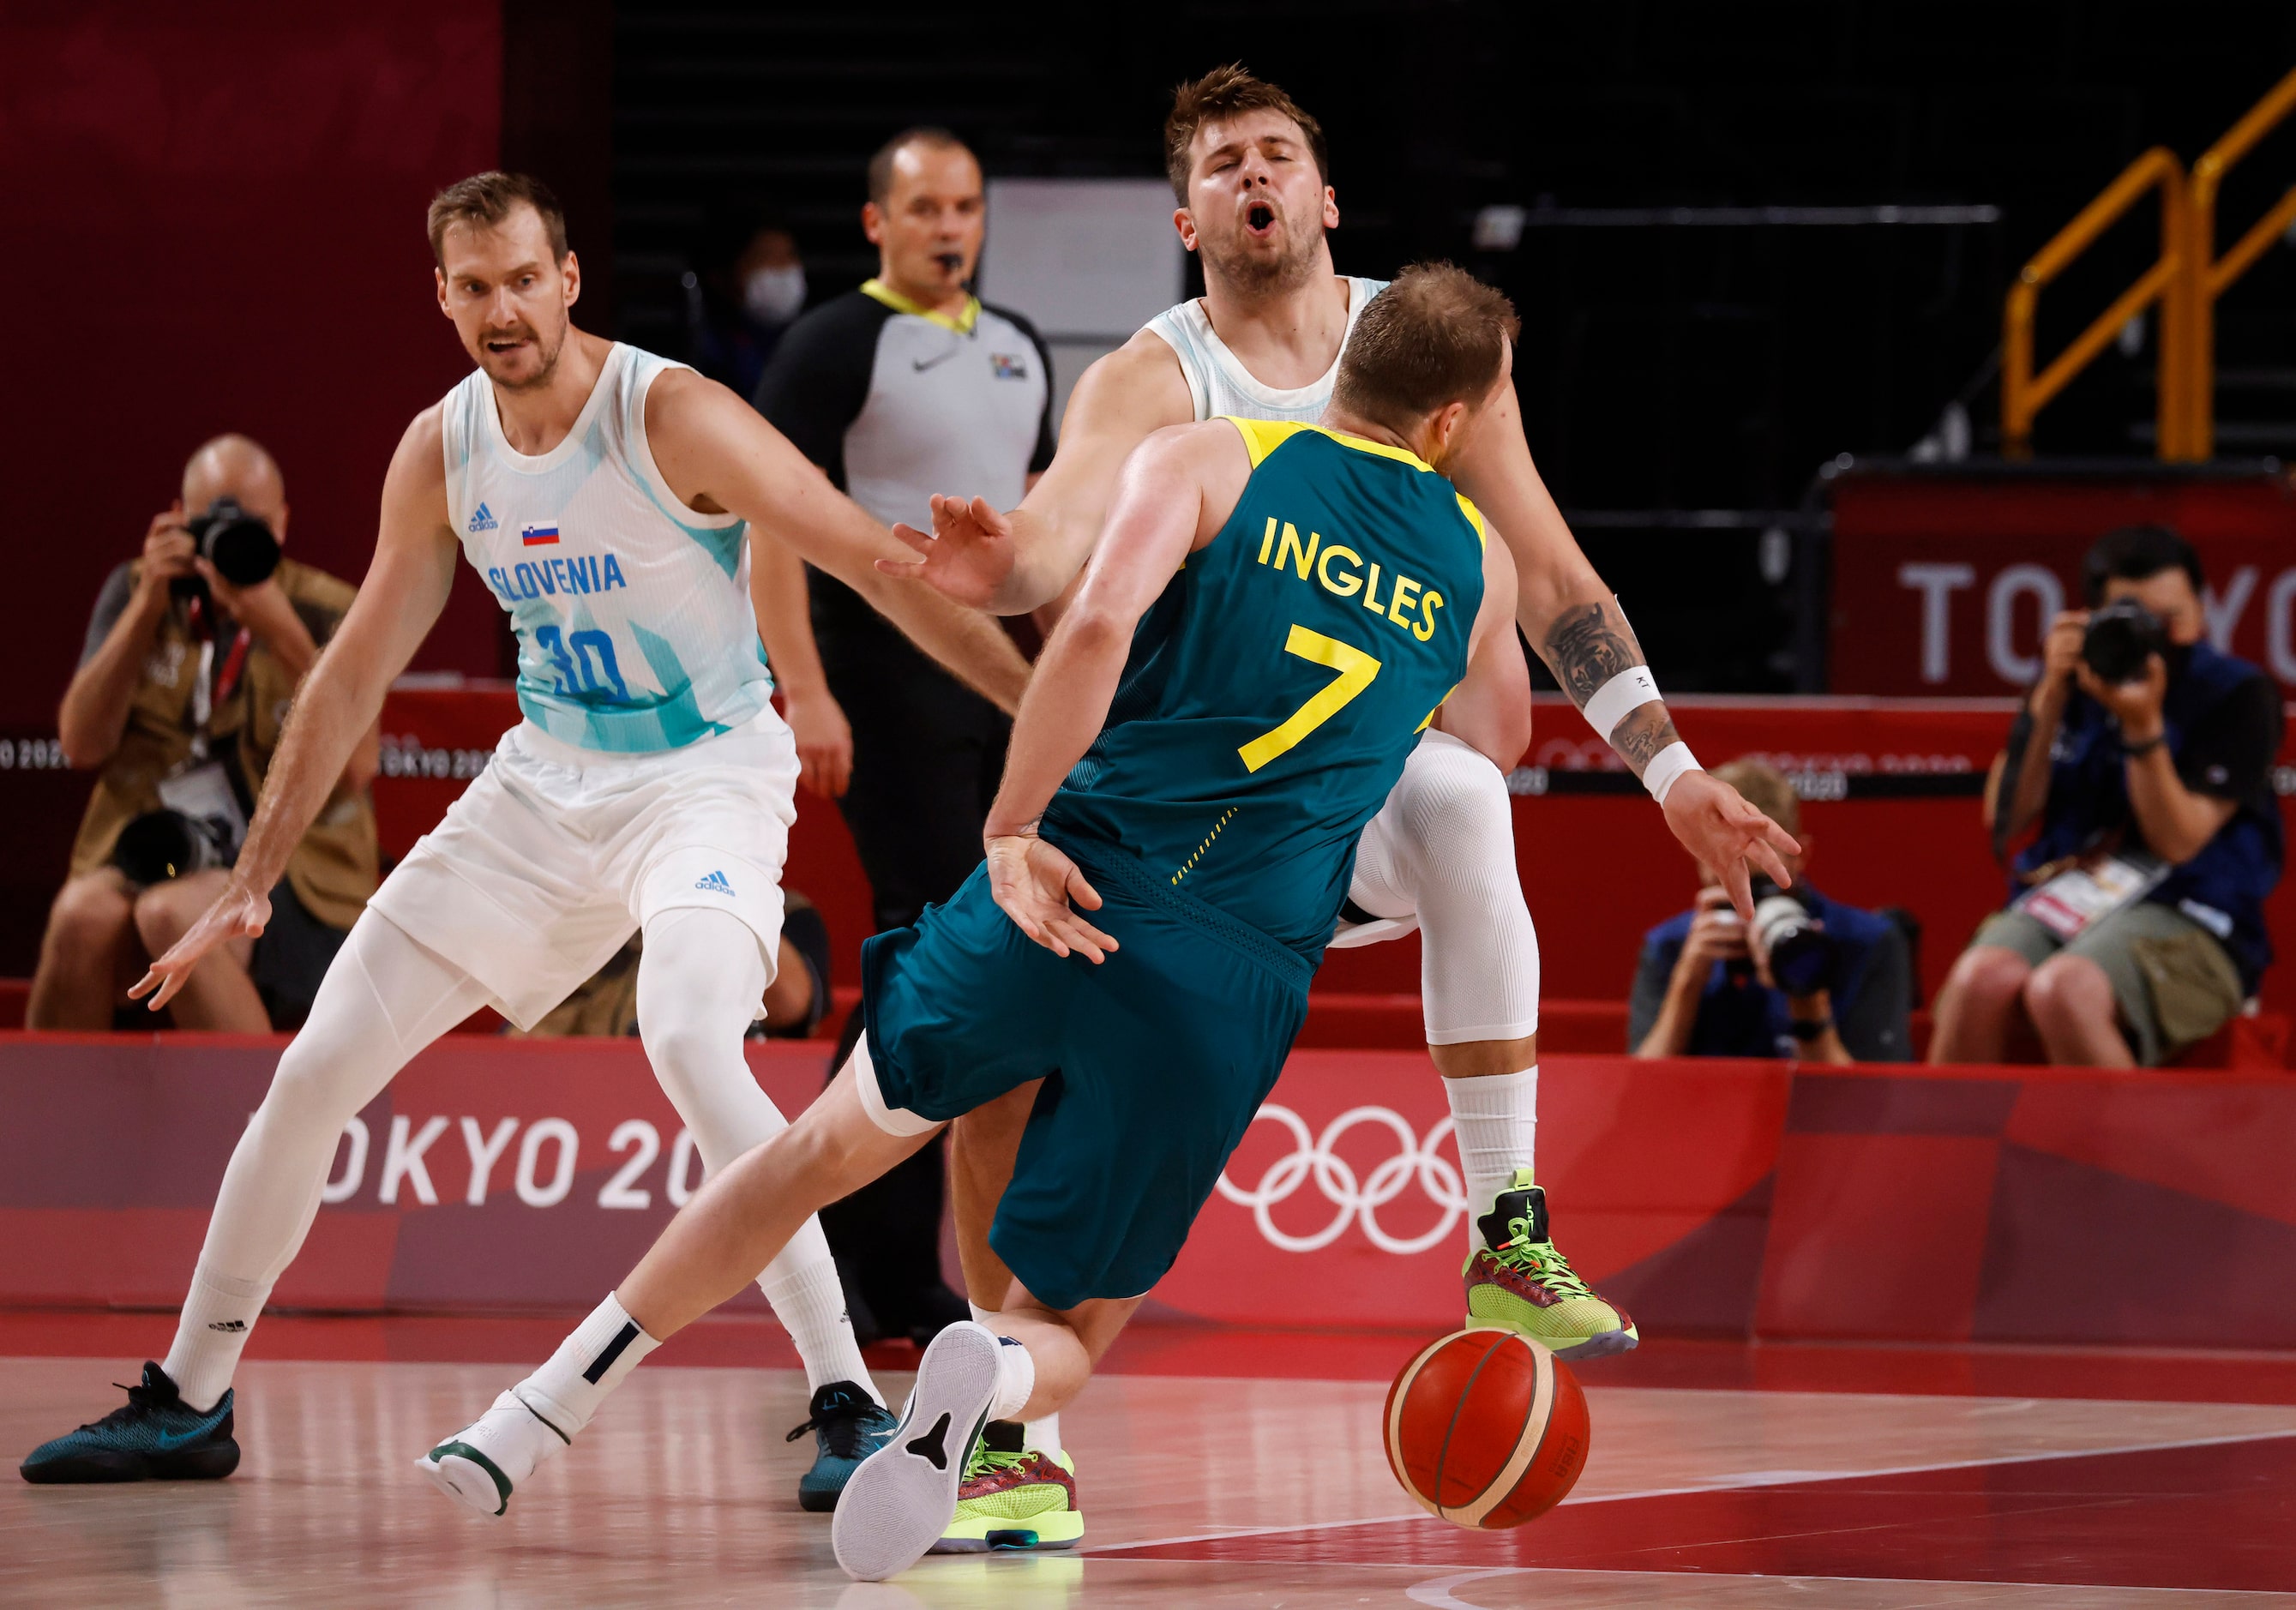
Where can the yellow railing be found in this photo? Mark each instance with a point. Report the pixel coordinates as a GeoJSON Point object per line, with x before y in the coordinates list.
{"type": "Point", "coordinates": [2023, 394]}
{"type": "Point", "coordinates": [2212, 275]}
{"type": "Point", "coordinates": [2185, 279]}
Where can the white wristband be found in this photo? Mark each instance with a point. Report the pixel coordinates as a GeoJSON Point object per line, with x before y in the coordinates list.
{"type": "Point", "coordinates": [1666, 768]}
{"type": "Point", "coordinates": [1619, 697]}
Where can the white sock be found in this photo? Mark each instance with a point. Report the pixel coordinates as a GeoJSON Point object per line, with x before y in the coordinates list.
{"type": "Point", "coordinates": [218, 1314]}
{"type": "Point", "coordinates": [590, 1363]}
{"type": "Point", "coordinates": [809, 1300]}
{"type": "Point", "coordinates": [1495, 1118]}
{"type": "Point", "coordinates": [1043, 1434]}
{"type": "Point", "coordinates": [1016, 1378]}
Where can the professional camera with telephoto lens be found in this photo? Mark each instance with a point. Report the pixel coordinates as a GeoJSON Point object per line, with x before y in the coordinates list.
{"type": "Point", "coordinates": [241, 547]}
{"type": "Point", "coordinates": [1801, 955]}
{"type": "Point", "coordinates": [2120, 638]}
{"type": "Point", "coordinates": [165, 843]}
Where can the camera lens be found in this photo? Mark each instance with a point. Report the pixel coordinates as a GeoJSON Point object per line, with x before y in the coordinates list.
{"type": "Point", "coordinates": [1801, 955]}
{"type": "Point", "coordinates": [157, 846]}
{"type": "Point", "coordinates": [2120, 638]}
{"type": "Point", "coordinates": [240, 545]}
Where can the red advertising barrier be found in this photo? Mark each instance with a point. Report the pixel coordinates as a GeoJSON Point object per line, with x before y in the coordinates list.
{"type": "Point", "coordinates": [1944, 581]}
{"type": "Point", "coordinates": [1598, 870]}
{"type": "Point", "coordinates": [1741, 1199]}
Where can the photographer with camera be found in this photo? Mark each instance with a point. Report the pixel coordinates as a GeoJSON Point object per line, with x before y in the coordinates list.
{"type": "Point", "coordinates": [1809, 978]}
{"type": "Point", "coordinates": [193, 655]}
{"type": "Point", "coordinates": [2136, 924]}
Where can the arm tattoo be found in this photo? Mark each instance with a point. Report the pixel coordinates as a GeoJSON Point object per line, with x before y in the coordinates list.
{"type": "Point", "coordinates": [1585, 650]}
{"type": "Point", "coordinates": [1642, 734]}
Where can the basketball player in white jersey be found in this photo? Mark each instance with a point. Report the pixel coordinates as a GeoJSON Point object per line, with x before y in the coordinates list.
{"type": "Point", "coordinates": [605, 497]}
{"type": "Point", "coordinates": [1247, 168]}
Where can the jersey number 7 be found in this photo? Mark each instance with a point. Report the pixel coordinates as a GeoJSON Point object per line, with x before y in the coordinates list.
{"type": "Point", "coordinates": [1356, 668]}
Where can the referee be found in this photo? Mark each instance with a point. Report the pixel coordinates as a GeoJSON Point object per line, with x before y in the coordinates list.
{"type": "Point", "coordinates": [908, 386]}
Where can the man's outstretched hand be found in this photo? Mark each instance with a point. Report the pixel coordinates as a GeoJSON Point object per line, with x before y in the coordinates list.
{"type": "Point", "coordinates": [1716, 824]}
{"type": "Point", "coordinates": [1034, 883]}
{"type": "Point", "coordinates": [237, 913]}
{"type": "Point", "coordinates": [967, 558]}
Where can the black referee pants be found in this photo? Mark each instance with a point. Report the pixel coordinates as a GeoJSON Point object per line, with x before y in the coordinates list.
{"type": "Point", "coordinates": [928, 753]}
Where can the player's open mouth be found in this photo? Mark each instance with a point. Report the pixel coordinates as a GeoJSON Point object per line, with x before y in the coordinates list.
{"type": "Point", "coordinates": [1259, 219]}
{"type": "Point", "coordinates": [951, 262]}
{"type": "Point", "coordinates": [506, 343]}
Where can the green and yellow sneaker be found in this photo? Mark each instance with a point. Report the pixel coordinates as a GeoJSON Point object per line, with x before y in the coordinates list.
{"type": "Point", "coordinates": [1013, 1497]}
{"type": "Point", "coordinates": [1526, 1284]}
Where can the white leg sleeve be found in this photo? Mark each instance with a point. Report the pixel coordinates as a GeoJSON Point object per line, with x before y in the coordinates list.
{"type": "Point", "coordinates": [1445, 849]}
{"type": "Point", "coordinates": [701, 977]}
{"type": "Point", "coordinates": [384, 998]}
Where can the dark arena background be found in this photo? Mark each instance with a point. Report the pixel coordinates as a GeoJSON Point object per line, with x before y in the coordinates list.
{"type": "Point", "coordinates": [1846, 331]}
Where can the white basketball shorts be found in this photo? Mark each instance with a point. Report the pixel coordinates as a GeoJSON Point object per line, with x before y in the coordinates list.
{"type": "Point", "coordinates": [541, 870]}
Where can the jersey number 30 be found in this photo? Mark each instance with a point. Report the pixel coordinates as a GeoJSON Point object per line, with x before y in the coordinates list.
{"type": "Point", "coordinates": [1356, 668]}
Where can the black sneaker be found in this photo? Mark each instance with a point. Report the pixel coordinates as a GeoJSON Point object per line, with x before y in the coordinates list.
{"type": "Point", "coordinates": [156, 1438]}
{"type": "Point", "coordinates": [848, 1425]}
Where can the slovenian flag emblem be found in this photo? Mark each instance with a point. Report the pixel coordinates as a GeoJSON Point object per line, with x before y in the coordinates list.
{"type": "Point", "coordinates": [538, 536]}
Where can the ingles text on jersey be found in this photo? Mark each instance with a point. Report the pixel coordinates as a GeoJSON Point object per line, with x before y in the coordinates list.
{"type": "Point", "coordinates": [1409, 604]}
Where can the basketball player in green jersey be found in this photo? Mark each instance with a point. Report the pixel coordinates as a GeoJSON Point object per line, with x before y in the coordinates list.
{"type": "Point", "coordinates": [1274, 616]}
{"type": "Point", "coordinates": [1250, 173]}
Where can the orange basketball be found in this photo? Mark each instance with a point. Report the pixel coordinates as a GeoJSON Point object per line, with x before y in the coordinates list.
{"type": "Point", "coordinates": [1487, 1428]}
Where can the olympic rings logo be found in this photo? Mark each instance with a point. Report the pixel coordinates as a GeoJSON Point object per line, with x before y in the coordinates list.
{"type": "Point", "coordinates": [1355, 1199]}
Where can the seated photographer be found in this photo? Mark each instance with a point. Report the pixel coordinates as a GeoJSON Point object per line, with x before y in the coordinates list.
{"type": "Point", "coordinates": [193, 655]}
{"type": "Point", "coordinates": [1810, 977]}
{"type": "Point", "coordinates": [2136, 924]}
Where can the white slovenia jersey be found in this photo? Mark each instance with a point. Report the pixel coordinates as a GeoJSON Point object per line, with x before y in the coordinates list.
{"type": "Point", "coordinates": [1220, 382]}
{"type": "Point", "coordinates": [635, 629]}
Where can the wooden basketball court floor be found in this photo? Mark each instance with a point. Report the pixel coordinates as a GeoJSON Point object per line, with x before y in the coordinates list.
{"type": "Point", "coordinates": [1218, 1468]}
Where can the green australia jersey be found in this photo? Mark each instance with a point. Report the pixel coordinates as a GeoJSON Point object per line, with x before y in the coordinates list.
{"type": "Point", "coordinates": [1275, 689]}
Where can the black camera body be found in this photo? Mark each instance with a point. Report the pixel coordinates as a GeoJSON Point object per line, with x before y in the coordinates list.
{"type": "Point", "coordinates": [241, 547]}
{"type": "Point", "coordinates": [2120, 638]}
{"type": "Point", "coordinates": [1802, 953]}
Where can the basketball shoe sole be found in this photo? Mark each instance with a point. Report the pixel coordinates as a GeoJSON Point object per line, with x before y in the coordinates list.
{"type": "Point", "coordinates": [903, 1496]}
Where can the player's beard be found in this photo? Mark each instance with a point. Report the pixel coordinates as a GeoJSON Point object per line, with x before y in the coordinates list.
{"type": "Point", "coordinates": [1255, 277]}
{"type": "Point", "coordinates": [548, 351]}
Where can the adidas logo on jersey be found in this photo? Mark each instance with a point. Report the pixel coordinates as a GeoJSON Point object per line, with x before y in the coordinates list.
{"type": "Point", "coordinates": [715, 883]}
{"type": "Point", "coordinates": [483, 520]}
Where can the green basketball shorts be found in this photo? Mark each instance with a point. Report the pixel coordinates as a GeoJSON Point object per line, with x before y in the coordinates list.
{"type": "Point", "coordinates": [1154, 1063]}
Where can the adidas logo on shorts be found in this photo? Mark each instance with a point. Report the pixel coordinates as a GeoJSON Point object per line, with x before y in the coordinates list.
{"type": "Point", "coordinates": [715, 883]}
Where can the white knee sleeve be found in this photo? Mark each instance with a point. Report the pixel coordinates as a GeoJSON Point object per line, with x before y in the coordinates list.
{"type": "Point", "coordinates": [701, 979]}
{"type": "Point", "coordinates": [1443, 848]}
{"type": "Point", "coordinates": [384, 998]}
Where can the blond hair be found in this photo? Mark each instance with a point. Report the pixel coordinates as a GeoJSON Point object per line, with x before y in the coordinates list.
{"type": "Point", "coordinates": [1436, 336]}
